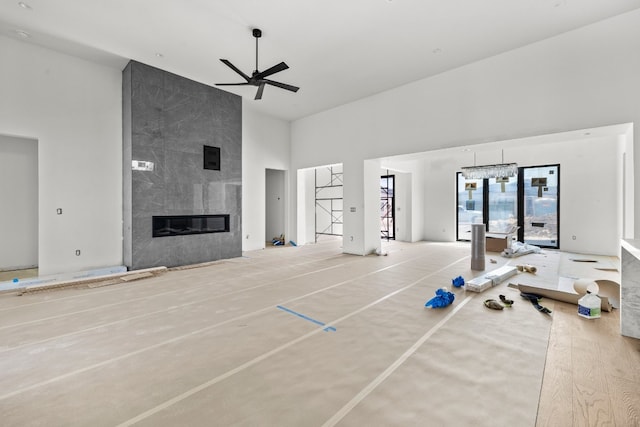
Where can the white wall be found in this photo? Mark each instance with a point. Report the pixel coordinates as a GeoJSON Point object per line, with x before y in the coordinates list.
{"type": "Point", "coordinates": [73, 108]}
{"type": "Point", "coordinates": [403, 207]}
{"type": "Point", "coordinates": [371, 208]}
{"type": "Point", "coordinates": [580, 79]}
{"type": "Point", "coordinates": [19, 196]}
{"type": "Point", "coordinates": [306, 191]}
{"type": "Point", "coordinates": [265, 145]}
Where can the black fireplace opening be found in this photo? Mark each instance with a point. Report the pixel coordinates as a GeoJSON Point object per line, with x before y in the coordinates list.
{"type": "Point", "coordinates": [180, 225]}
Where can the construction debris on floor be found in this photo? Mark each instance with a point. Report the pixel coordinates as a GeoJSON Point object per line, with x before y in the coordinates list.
{"type": "Point", "coordinates": [493, 278]}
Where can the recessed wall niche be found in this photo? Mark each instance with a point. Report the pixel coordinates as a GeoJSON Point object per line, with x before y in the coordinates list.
{"type": "Point", "coordinates": [211, 157]}
{"type": "Point", "coordinates": [167, 120]}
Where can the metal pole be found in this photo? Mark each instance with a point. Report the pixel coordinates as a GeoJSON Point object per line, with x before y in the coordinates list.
{"type": "Point", "coordinates": [477, 246]}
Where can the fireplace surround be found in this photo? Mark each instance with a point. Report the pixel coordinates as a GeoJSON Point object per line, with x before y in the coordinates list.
{"type": "Point", "coordinates": [167, 120]}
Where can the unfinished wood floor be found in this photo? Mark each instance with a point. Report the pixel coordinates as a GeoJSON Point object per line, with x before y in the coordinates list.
{"type": "Point", "coordinates": [26, 273]}
{"type": "Point", "coordinates": [310, 337]}
{"type": "Point", "coordinates": [592, 373]}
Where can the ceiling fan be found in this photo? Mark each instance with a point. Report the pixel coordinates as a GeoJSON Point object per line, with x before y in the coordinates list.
{"type": "Point", "coordinates": [258, 77]}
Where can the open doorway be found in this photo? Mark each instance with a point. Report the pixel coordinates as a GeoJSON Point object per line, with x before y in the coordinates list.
{"type": "Point", "coordinates": [328, 201]}
{"type": "Point", "coordinates": [19, 196]}
{"type": "Point", "coordinates": [274, 206]}
{"type": "Point", "coordinates": [387, 207]}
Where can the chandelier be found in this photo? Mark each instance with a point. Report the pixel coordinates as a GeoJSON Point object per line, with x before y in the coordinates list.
{"type": "Point", "coordinates": [500, 170]}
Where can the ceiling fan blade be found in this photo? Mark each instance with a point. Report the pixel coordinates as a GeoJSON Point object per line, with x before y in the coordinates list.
{"type": "Point", "coordinates": [234, 68]}
{"type": "Point", "coordinates": [260, 90]}
{"type": "Point", "coordinates": [275, 69]}
{"type": "Point", "coordinates": [281, 85]}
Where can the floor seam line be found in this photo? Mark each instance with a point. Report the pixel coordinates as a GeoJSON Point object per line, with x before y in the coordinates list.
{"type": "Point", "coordinates": [161, 294]}
{"type": "Point", "coordinates": [344, 411]}
{"type": "Point", "coordinates": [268, 354]}
{"type": "Point", "coordinates": [204, 329]}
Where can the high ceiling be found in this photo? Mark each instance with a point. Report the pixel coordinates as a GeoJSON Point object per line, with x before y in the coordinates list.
{"type": "Point", "coordinates": [338, 51]}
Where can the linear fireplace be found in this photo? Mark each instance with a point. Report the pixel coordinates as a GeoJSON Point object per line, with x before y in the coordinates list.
{"type": "Point", "coordinates": [180, 225]}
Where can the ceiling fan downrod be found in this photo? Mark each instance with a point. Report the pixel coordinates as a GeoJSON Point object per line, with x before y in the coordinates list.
{"type": "Point", "coordinates": [257, 33]}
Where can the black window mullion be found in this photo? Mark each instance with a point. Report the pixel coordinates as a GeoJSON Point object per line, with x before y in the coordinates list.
{"type": "Point", "coordinates": [520, 204]}
{"type": "Point", "coordinates": [485, 203]}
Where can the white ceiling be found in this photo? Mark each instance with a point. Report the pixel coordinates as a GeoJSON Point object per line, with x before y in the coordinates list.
{"type": "Point", "coordinates": [337, 50]}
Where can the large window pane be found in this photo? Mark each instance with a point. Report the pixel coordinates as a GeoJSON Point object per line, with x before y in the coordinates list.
{"type": "Point", "coordinates": [503, 204]}
{"type": "Point", "coordinates": [541, 205]}
{"type": "Point", "coordinates": [470, 205]}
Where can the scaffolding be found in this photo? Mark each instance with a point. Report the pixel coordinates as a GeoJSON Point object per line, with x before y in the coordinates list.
{"type": "Point", "coordinates": [328, 208]}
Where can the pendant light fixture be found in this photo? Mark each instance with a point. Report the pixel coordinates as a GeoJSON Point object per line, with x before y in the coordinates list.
{"type": "Point", "coordinates": [500, 170]}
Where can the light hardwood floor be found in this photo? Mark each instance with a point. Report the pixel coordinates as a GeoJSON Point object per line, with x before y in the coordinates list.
{"type": "Point", "coordinates": [592, 373]}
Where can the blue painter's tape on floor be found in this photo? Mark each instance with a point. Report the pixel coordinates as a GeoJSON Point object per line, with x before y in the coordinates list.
{"type": "Point", "coordinates": [302, 316]}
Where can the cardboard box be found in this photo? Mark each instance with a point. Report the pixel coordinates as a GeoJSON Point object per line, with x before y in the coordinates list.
{"type": "Point", "coordinates": [497, 242]}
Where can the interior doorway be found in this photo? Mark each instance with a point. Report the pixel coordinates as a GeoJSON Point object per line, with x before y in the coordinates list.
{"type": "Point", "coordinates": [19, 196]}
{"type": "Point", "coordinates": [328, 201]}
{"type": "Point", "coordinates": [387, 207]}
{"type": "Point", "coordinates": [274, 204]}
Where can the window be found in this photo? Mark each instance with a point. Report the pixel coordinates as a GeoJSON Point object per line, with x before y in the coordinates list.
{"type": "Point", "coordinates": [470, 205]}
{"type": "Point", "coordinates": [529, 200]}
{"type": "Point", "coordinates": [540, 206]}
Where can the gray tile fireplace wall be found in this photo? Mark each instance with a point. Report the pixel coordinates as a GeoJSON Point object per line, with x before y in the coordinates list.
{"type": "Point", "coordinates": [167, 121]}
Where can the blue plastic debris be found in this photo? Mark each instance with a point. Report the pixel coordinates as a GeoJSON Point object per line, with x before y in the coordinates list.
{"type": "Point", "coordinates": [292, 243]}
{"type": "Point", "coordinates": [458, 282]}
{"type": "Point", "coordinates": [16, 280]}
{"type": "Point", "coordinates": [443, 298]}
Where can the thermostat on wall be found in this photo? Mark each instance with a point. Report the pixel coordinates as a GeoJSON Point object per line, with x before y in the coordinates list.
{"type": "Point", "coordinates": [139, 165]}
